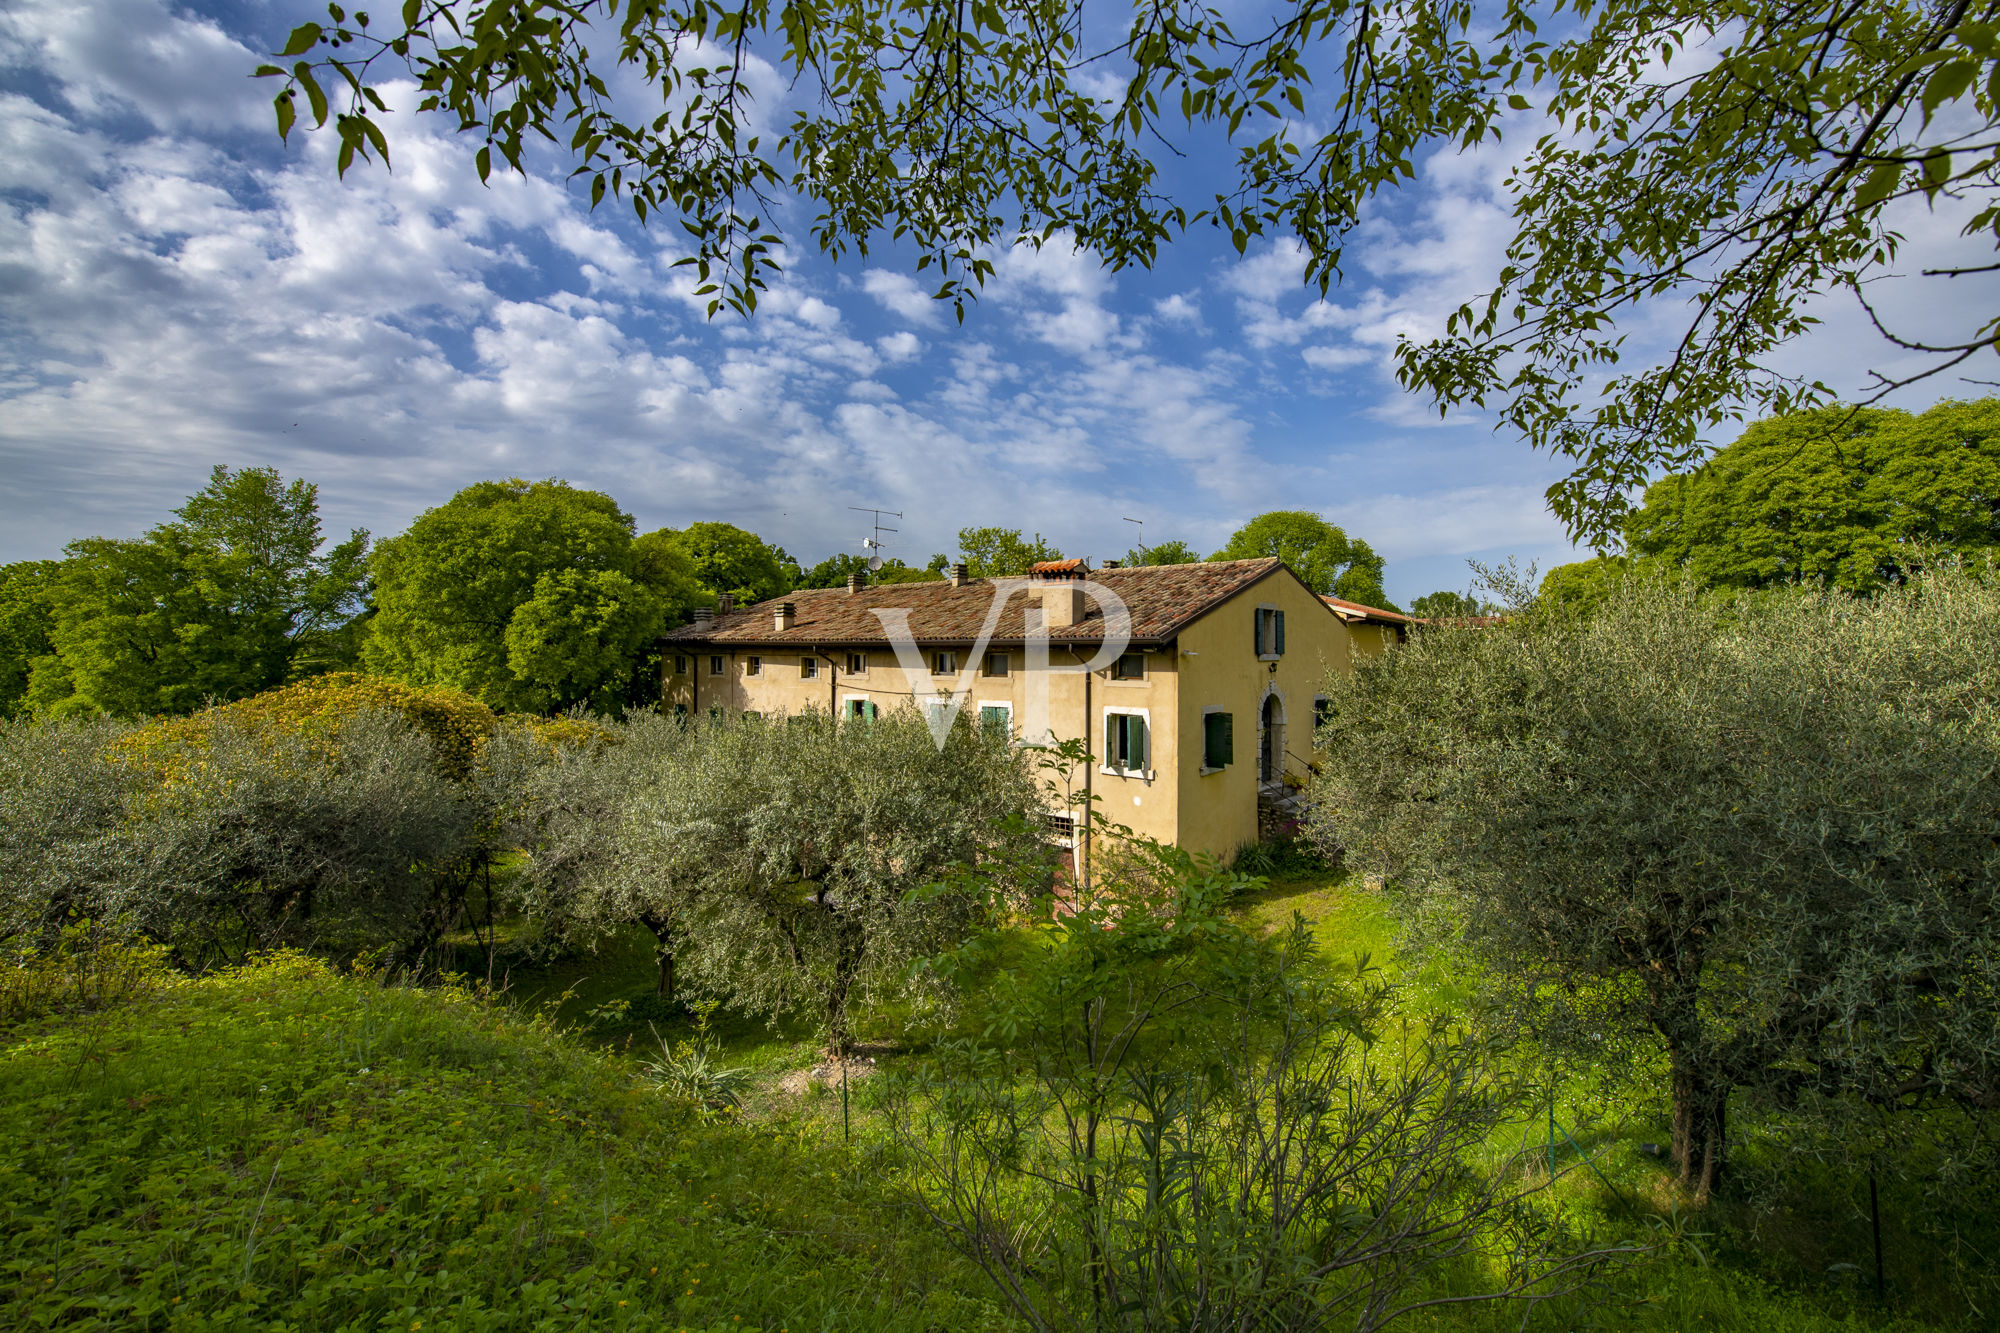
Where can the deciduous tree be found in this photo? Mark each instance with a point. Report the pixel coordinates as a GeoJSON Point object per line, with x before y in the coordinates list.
{"type": "Point", "coordinates": [1323, 555]}
{"type": "Point", "coordinates": [527, 595]}
{"type": "Point", "coordinates": [1853, 499]}
{"type": "Point", "coordinates": [996, 553]}
{"type": "Point", "coordinates": [233, 598]}
{"type": "Point", "coordinates": [1722, 166]}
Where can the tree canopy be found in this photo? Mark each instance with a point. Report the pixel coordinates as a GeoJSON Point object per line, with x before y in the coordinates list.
{"type": "Point", "coordinates": [1171, 552]}
{"type": "Point", "coordinates": [1448, 605]}
{"type": "Point", "coordinates": [233, 598]}
{"type": "Point", "coordinates": [957, 132]}
{"type": "Point", "coordinates": [1323, 555]}
{"type": "Point", "coordinates": [992, 553]}
{"type": "Point", "coordinates": [1754, 837]}
{"type": "Point", "coordinates": [1849, 498]}
{"type": "Point", "coordinates": [726, 559]}
{"type": "Point", "coordinates": [527, 595]}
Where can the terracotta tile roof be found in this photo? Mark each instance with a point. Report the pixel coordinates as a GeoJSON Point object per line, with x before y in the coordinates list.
{"type": "Point", "coordinates": [1162, 599]}
{"type": "Point", "coordinates": [1347, 610]}
{"type": "Point", "coordinates": [1070, 566]}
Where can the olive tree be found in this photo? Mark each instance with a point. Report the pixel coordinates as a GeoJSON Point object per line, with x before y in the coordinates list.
{"type": "Point", "coordinates": [1760, 836]}
{"type": "Point", "coordinates": [795, 864]}
{"type": "Point", "coordinates": [61, 807]}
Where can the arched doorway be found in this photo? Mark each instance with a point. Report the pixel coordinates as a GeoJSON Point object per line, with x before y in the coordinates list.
{"type": "Point", "coordinates": [1271, 739]}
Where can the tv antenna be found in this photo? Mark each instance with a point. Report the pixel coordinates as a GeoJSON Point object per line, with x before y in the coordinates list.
{"type": "Point", "coordinates": [1140, 524]}
{"type": "Point", "coordinates": [873, 544]}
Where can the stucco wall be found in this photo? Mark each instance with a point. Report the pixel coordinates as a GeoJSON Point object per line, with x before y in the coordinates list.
{"type": "Point", "coordinates": [1219, 810]}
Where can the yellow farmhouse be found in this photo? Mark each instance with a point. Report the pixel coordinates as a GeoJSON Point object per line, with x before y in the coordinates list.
{"type": "Point", "coordinates": [1211, 704]}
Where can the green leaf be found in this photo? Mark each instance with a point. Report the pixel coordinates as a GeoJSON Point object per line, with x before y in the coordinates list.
{"type": "Point", "coordinates": [1880, 183]}
{"type": "Point", "coordinates": [286, 114]}
{"type": "Point", "coordinates": [315, 95]}
{"type": "Point", "coordinates": [1947, 83]}
{"type": "Point", "coordinates": [265, 71]}
{"type": "Point", "coordinates": [303, 39]}
{"type": "Point", "coordinates": [1518, 102]}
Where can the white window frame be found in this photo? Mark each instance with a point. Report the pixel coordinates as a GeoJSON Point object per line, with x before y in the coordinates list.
{"type": "Point", "coordinates": [1006, 663]}
{"type": "Point", "coordinates": [944, 662]}
{"type": "Point", "coordinates": [1145, 715]}
{"type": "Point", "coordinates": [718, 665]}
{"type": "Point", "coordinates": [808, 668]}
{"type": "Point", "coordinates": [753, 665]}
{"type": "Point", "coordinates": [847, 699]}
{"type": "Point", "coordinates": [983, 704]}
{"type": "Point", "coordinates": [854, 670]}
{"type": "Point", "coordinates": [1204, 770]}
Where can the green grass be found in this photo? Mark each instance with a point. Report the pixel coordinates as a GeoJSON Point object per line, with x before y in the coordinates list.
{"type": "Point", "coordinates": [287, 1147]}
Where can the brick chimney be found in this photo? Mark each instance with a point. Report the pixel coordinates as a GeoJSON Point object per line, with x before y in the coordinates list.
{"type": "Point", "coordinates": [958, 576]}
{"type": "Point", "coordinates": [787, 615]}
{"type": "Point", "coordinates": [704, 615]}
{"type": "Point", "coordinates": [856, 582]}
{"type": "Point", "coordinates": [725, 603]}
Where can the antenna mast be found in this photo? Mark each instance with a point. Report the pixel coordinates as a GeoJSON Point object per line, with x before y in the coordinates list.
{"type": "Point", "coordinates": [873, 544]}
{"type": "Point", "coordinates": [1140, 524]}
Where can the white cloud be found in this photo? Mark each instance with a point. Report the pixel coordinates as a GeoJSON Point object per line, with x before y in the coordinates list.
{"type": "Point", "coordinates": [899, 293]}
{"type": "Point", "coordinates": [108, 56]}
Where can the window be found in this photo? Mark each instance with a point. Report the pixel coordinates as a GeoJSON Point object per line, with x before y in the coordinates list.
{"type": "Point", "coordinates": [857, 664]}
{"type": "Point", "coordinates": [1270, 632]}
{"type": "Point", "coordinates": [753, 666]}
{"type": "Point", "coordinates": [681, 711]}
{"type": "Point", "coordinates": [998, 664]}
{"type": "Point", "coordinates": [1130, 666]}
{"type": "Point", "coordinates": [749, 716]}
{"type": "Point", "coordinates": [715, 664]}
{"type": "Point", "coordinates": [1218, 739]}
{"type": "Point", "coordinates": [944, 664]}
{"type": "Point", "coordinates": [680, 665]}
{"type": "Point", "coordinates": [715, 715]}
{"type": "Point", "coordinates": [808, 668]}
{"type": "Point", "coordinates": [1322, 711]}
{"type": "Point", "coordinates": [997, 720]}
{"type": "Point", "coordinates": [863, 709]}
{"type": "Point", "coordinates": [1061, 828]}
{"type": "Point", "coordinates": [1125, 742]}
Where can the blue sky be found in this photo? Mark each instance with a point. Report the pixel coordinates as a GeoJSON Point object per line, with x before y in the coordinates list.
{"type": "Point", "coordinates": [178, 289]}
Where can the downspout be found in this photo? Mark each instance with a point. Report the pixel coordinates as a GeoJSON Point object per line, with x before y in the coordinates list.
{"type": "Point", "coordinates": [832, 684]}
{"type": "Point", "coordinates": [1083, 831]}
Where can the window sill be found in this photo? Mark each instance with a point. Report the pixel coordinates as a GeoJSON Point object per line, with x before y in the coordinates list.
{"type": "Point", "coordinates": [1141, 774]}
{"type": "Point", "coordinates": [1270, 657]}
{"type": "Point", "coordinates": [1204, 772]}
{"type": "Point", "coordinates": [1113, 680]}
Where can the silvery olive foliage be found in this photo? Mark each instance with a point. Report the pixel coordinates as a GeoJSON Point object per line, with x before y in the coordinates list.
{"type": "Point", "coordinates": [61, 815]}
{"type": "Point", "coordinates": [789, 864]}
{"type": "Point", "coordinates": [1757, 837]}
{"type": "Point", "coordinates": [240, 836]}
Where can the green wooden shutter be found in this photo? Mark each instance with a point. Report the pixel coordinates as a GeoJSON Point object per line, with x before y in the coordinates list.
{"type": "Point", "coordinates": [1218, 742]}
{"type": "Point", "coordinates": [1111, 740]}
{"type": "Point", "coordinates": [1141, 751]}
{"type": "Point", "coordinates": [1278, 618]}
{"type": "Point", "coordinates": [873, 711]}
{"type": "Point", "coordinates": [1257, 632]}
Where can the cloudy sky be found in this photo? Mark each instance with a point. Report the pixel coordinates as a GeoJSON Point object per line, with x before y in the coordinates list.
{"type": "Point", "coordinates": [178, 289]}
